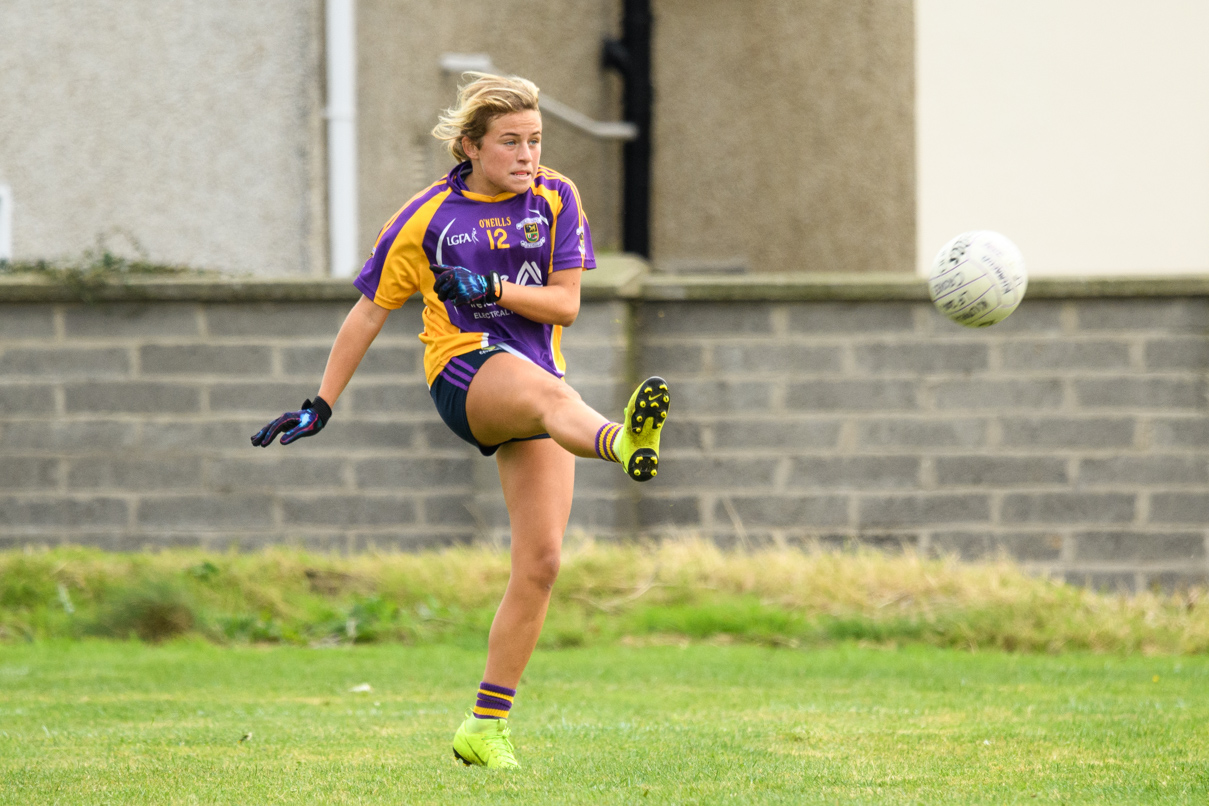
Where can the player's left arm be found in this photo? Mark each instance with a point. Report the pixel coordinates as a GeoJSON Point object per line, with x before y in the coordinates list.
{"type": "Point", "coordinates": [556, 303]}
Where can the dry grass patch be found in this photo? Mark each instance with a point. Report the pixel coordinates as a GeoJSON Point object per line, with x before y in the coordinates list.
{"type": "Point", "coordinates": [606, 592]}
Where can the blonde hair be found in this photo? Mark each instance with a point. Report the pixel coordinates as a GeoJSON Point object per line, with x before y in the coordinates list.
{"type": "Point", "coordinates": [481, 101]}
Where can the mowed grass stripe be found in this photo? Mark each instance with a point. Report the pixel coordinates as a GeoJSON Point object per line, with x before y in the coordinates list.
{"type": "Point", "coordinates": [104, 722]}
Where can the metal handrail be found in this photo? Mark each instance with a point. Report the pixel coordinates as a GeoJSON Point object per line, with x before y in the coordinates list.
{"type": "Point", "coordinates": [605, 130]}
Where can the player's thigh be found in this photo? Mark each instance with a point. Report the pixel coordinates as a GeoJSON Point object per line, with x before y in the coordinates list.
{"type": "Point", "coordinates": [508, 398]}
{"type": "Point", "coordinates": [538, 479]}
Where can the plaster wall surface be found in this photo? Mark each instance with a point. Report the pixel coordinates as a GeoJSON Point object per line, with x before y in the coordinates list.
{"type": "Point", "coordinates": [192, 131]}
{"type": "Point", "coordinates": [402, 89]}
{"type": "Point", "coordinates": [195, 132]}
{"type": "Point", "coordinates": [784, 136]}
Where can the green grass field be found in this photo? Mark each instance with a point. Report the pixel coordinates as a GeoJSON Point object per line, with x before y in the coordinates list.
{"type": "Point", "coordinates": [117, 722]}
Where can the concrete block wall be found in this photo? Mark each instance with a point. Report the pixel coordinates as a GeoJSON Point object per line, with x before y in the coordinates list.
{"type": "Point", "coordinates": [126, 425]}
{"type": "Point", "coordinates": [1073, 437]}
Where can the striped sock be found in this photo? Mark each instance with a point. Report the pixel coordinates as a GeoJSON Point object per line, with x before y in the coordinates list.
{"type": "Point", "coordinates": [494, 702]}
{"type": "Point", "coordinates": [606, 441]}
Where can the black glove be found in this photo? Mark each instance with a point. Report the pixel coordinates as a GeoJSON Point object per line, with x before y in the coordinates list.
{"type": "Point", "coordinates": [306, 422]}
{"type": "Point", "coordinates": [464, 287]}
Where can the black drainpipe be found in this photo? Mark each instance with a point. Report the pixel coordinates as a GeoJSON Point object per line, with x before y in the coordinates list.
{"type": "Point", "coordinates": [631, 57]}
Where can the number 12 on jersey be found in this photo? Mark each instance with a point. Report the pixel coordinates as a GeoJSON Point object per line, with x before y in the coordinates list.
{"type": "Point", "coordinates": [498, 238]}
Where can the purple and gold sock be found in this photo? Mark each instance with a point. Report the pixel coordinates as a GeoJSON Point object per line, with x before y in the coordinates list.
{"type": "Point", "coordinates": [494, 702]}
{"type": "Point", "coordinates": [606, 439]}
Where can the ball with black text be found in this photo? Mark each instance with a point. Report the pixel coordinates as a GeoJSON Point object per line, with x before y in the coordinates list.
{"type": "Point", "coordinates": [977, 278]}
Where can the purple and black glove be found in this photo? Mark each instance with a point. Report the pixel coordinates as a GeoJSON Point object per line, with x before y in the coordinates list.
{"type": "Point", "coordinates": [463, 287]}
{"type": "Point", "coordinates": [306, 422]}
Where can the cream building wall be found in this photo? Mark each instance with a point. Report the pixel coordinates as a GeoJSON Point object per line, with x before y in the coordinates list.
{"type": "Point", "coordinates": [1079, 128]}
{"type": "Point", "coordinates": [193, 128]}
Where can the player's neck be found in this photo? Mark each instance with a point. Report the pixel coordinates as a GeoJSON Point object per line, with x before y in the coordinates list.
{"type": "Point", "coordinates": [477, 183]}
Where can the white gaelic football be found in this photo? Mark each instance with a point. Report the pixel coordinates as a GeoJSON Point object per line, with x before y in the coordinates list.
{"type": "Point", "coordinates": [977, 278]}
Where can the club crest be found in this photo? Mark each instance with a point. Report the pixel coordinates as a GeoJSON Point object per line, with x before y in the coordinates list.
{"type": "Point", "coordinates": [530, 227]}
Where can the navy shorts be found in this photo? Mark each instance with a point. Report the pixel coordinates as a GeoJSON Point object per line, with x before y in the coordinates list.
{"type": "Point", "coordinates": [449, 393]}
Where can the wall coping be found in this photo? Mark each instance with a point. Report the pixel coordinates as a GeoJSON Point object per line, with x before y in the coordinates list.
{"type": "Point", "coordinates": [618, 277]}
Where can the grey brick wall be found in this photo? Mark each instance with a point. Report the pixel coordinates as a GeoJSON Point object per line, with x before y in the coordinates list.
{"type": "Point", "coordinates": [1074, 436]}
{"type": "Point", "coordinates": [1071, 437]}
{"type": "Point", "coordinates": [126, 424]}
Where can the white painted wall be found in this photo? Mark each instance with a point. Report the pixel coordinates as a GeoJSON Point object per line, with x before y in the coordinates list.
{"type": "Point", "coordinates": [1079, 128]}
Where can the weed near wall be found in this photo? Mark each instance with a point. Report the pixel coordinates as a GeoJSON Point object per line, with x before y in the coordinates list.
{"type": "Point", "coordinates": [105, 265]}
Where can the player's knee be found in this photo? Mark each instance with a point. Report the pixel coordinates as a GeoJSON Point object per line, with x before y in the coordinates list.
{"type": "Point", "coordinates": [558, 395]}
{"type": "Point", "coordinates": [542, 571]}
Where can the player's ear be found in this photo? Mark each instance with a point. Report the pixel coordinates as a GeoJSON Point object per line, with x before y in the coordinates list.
{"type": "Point", "coordinates": [469, 148]}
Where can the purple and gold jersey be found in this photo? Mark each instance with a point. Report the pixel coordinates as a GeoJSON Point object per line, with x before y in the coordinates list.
{"type": "Point", "coordinates": [524, 237]}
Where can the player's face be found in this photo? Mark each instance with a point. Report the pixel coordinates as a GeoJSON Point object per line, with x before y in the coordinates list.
{"type": "Point", "coordinates": [506, 161]}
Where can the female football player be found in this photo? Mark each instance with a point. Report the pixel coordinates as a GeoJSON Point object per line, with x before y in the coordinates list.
{"type": "Point", "coordinates": [496, 249]}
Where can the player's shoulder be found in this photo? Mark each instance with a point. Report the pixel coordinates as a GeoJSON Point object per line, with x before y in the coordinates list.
{"type": "Point", "coordinates": [413, 206]}
{"type": "Point", "coordinates": [557, 188]}
{"type": "Point", "coordinates": [550, 178]}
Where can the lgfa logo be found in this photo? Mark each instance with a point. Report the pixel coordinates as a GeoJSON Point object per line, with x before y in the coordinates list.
{"type": "Point", "coordinates": [463, 237]}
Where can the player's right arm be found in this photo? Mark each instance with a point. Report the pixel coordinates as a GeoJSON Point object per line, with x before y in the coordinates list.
{"type": "Point", "coordinates": [386, 281]}
{"type": "Point", "coordinates": [359, 330]}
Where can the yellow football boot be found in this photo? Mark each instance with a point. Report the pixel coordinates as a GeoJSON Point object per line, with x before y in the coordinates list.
{"type": "Point", "coordinates": [637, 446]}
{"type": "Point", "coordinates": [485, 742]}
